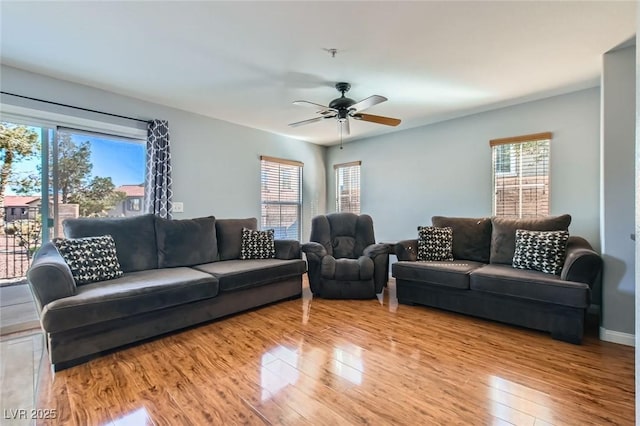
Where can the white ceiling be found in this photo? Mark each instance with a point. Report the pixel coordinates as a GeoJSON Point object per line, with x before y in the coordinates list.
{"type": "Point", "coordinates": [245, 62]}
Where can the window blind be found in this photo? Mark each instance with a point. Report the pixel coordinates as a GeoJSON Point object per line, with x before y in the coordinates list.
{"type": "Point", "coordinates": [521, 175]}
{"type": "Point", "coordinates": [348, 187]}
{"type": "Point", "coordinates": [281, 195]}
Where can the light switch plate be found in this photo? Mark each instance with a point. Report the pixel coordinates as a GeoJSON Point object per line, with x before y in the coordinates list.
{"type": "Point", "coordinates": [178, 207]}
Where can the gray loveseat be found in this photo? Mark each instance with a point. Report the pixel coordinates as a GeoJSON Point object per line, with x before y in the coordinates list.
{"type": "Point", "coordinates": [177, 273]}
{"type": "Point", "coordinates": [481, 280]}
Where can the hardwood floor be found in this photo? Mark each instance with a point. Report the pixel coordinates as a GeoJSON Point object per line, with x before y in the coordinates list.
{"type": "Point", "coordinates": [340, 362]}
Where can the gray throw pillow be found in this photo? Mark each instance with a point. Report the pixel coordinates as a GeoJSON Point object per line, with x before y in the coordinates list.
{"type": "Point", "coordinates": [503, 236]}
{"type": "Point", "coordinates": [257, 244]}
{"type": "Point", "coordinates": [90, 259]}
{"type": "Point", "coordinates": [540, 250]}
{"type": "Point", "coordinates": [435, 244]}
{"type": "Point", "coordinates": [186, 242]}
{"type": "Point", "coordinates": [471, 236]}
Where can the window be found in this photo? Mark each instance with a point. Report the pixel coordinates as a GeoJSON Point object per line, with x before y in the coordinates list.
{"type": "Point", "coordinates": [134, 204]}
{"type": "Point", "coordinates": [98, 172]}
{"type": "Point", "coordinates": [281, 195]}
{"type": "Point", "coordinates": [521, 175]}
{"type": "Point", "coordinates": [348, 187]}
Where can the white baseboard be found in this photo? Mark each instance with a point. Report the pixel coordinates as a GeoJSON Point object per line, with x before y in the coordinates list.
{"type": "Point", "coordinates": [617, 337]}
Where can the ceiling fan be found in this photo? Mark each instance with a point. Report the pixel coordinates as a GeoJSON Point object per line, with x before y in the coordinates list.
{"type": "Point", "coordinates": [342, 108]}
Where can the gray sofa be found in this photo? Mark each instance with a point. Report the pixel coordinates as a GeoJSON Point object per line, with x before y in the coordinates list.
{"type": "Point", "coordinates": [481, 280]}
{"type": "Point", "coordinates": [177, 273]}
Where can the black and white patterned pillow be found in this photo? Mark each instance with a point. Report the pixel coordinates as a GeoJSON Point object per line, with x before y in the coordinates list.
{"type": "Point", "coordinates": [257, 244]}
{"type": "Point", "coordinates": [540, 250]}
{"type": "Point", "coordinates": [435, 243]}
{"type": "Point", "coordinates": [91, 259]}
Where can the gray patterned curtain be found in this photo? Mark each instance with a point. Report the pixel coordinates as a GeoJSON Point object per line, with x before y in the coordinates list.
{"type": "Point", "coordinates": [157, 190]}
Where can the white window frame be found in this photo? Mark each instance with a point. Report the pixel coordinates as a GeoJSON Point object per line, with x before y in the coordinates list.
{"type": "Point", "coordinates": [516, 171]}
{"type": "Point", "coordinates": [285, 180]}
{"type": "Point", "coordinates": [338, 168]}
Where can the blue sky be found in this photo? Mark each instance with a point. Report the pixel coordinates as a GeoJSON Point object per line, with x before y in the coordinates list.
{"type": "Point", "coordinates": [123, 161]}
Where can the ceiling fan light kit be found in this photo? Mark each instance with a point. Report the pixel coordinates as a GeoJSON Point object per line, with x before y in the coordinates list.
{"type": "Point", "coordinates": [342, 108]}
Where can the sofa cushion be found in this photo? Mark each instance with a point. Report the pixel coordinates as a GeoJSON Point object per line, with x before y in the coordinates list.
{"type": "Point", "coordinates": [229, 233]}
{"type": "Point", "coordinates": [471, 236]}
{"type": "Point", "coordinates": [90, 259]}
{"type": "Point", "coordinates": [531, 285]}
{"type": "Point", "coordinates": [542, 251]}
{"type": "Point", "coordinates": [453, 274]}
{"type": "Point", "coordinates": [240, 274]}
{"type": "Point", "coordinates": [503, 235]}
{"type": "Point", "coordinates": [186, 242]}
{"type": "Point", "coordinates": [257, 244]}
{"type": "Point", "coordinates": [135, 238]}
{"type": "Point", "coordinates": [132, 294]}
{"type": "Point", "coordinates": [434, 243]}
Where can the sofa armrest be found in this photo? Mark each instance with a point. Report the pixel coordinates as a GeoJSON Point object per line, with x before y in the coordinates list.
{"type": "Point", "coordinates": [288, 249]}
{"type": "Point", "coordinates": [407, 250]}
{"type": "Point", "coordinates": [49, 276]}
{"type": "Point", "coordinates": [582, 264]}
{"type": "Point", "coordinates": [314, 250]}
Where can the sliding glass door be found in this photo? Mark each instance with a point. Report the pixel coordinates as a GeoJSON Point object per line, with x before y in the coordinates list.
{"type": "Point", "coordinates": [50, 173]}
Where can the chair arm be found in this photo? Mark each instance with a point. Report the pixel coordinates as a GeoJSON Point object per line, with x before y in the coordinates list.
{"type": "Point", "coordinates": [375, 250]}
{"type": "Point", "coordinates": [288, 249]}
{"type": "Point", "coordinates": [366, 266]}
{"type": "Point", "coordinates": [407, 250]}
{"type": "Point", "coordinates": [49, 276]}
{"type": "Point", "coordinates": [328, 267]}
{"type": "Point", "coordinates": [379, 253]}
{"type": "Point", "coordinates": [315, 253]}
{"type": "Point", "coordinates": [582, 264]}
{"type": "Point", "coordinates": [314, 250]}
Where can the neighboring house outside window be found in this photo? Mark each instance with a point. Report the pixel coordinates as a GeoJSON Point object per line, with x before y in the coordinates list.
{"type": "Point", "coordinates": [521, 175]}
{"type": "Point", "coordinates": [132, 203]}
{"type": "Point", "coordinates": [281, 196]}
{"type": "Point", "coordinates": [348, 187]}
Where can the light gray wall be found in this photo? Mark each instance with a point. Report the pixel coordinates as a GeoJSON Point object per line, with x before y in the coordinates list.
{"type": "Point", "coordinates": [445, 168]}
{"type": "Point", "coordinates": [637, 187]}
{"type": "Point", "coordinates": [216, 167]}
{"type": "Point", "coordinates": [618, 193]}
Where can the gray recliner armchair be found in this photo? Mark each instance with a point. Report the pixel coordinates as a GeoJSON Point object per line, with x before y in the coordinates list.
{"type": "Point", "coordinates": [344, 262]}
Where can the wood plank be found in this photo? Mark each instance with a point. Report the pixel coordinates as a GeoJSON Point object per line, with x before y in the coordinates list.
{"type": "Point", "coordinates": [350, 362]}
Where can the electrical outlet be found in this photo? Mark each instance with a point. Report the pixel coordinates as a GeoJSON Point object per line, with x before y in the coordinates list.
{"type": "Point", "coordinates": [178, 207]}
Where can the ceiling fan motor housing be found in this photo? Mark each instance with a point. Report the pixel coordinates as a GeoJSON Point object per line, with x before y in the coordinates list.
{"type": "Point", "coordinates": [342, 103]}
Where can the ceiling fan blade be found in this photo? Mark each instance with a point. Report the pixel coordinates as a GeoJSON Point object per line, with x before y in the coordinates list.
{"type": "Point", "coordinates": [367, 103]}
{"type": "Point", "coordinates": [388, 121]}
{"type": "Point", "coordinates": [343, 127]}
{"type": "Point", "coordinates": [323, 108]}
{"type": "Point", "coordinates": [303, 122]}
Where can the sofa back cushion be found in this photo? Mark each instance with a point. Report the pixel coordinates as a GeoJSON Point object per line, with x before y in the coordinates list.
{"type": "Point", "coordinates": [186, 242]}
{"type": "Point", "coordinates": [135, 238]}
{"type": "Point", "coordinates": [503, 236]}
{"type": "Point", "coordinates": [229, 233]}
{"type": "Point", "coordinates": [471, 236]}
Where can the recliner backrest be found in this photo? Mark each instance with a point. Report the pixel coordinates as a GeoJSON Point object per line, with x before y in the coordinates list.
{"type": "Point", "coordinates": [343, 235]}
